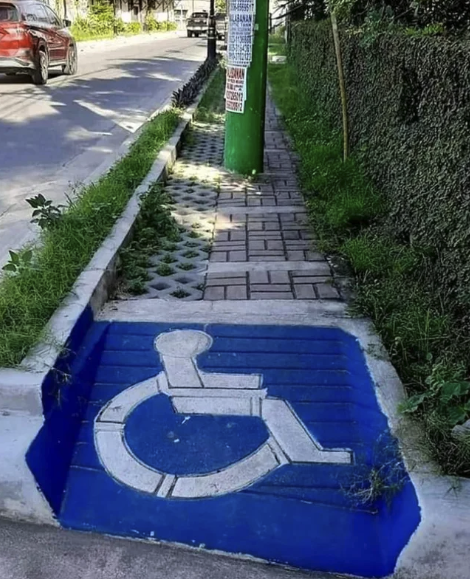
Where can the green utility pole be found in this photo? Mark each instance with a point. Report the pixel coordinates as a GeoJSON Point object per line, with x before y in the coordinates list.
{"type": "Point", "coordinates": [244, 131]}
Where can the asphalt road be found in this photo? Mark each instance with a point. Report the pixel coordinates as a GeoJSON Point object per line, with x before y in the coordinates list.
{"type": "Point", "coordinates": [54, 137]}
{"type": "Point", "coordinates": [35, 552]}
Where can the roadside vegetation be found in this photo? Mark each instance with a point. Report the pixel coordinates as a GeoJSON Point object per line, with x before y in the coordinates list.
{"type": "Point", "coordinates": [426, 342]}
{"type": "Point", "coordinates": [35, 281]}
{"type": "Point", "coordinates": [156, 231]}
{"type": "Point", "coordinates": [101, 24]}
{"type": "Point", "coordinates": [277, 46]}
{"type": "Point", "coordinates": [212, 106]}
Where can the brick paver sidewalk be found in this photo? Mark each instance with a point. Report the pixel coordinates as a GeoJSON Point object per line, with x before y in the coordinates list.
{"type": "Point", "coordinates": [263, 247]}
{"type": "Point", "coordinates": [256, 230]}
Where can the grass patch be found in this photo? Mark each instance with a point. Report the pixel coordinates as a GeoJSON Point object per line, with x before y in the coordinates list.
{"type": "Point", "coordinates": [83, 35]}
{"type": "Point", "coordinates": [180, 293]}
{"type": "Point", "coordinates": [155, 231]}
{"type": "Point", "coordinates": [212, 107]}
{"type": "Point", "coordinates": [30, 296]}
{"type": "Point", "coordinates": [425, 340]}
{"type": "Point", "coordinates": [186, 266]}
{"type": "Point", "coordinates": [276, 45]}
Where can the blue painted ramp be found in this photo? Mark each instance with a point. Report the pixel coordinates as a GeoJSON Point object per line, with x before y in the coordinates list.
{"type": "Point", "coordinates": [247, 439]}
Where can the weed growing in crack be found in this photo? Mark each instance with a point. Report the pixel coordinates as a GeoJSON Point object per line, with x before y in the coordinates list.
{"type": "Point", "coordinates": [186, 266]}
{"type": "Point", "coordinates": [180, 293]}
{"type": "Point", "coordinates": [165, 270]}
{"type": "Point", "coordinates": [190, 254]}
{"type": "Point", "coordinates": [155, 230]}
{"type": "Point", "coordinates": [379, 479]}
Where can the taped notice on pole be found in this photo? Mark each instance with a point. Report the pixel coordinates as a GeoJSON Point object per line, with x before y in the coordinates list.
{"type": "Point", "coordinates": [235, 89]}
{"type": "Point", "coordinates": [241, 25]}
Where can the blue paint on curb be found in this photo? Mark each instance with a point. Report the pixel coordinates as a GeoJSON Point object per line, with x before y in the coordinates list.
{"type": "Point", "coordinates": [306, 515]}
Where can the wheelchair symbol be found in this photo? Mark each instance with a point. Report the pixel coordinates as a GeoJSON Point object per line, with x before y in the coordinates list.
{"type": "Point", "coordinates": [194, 392]}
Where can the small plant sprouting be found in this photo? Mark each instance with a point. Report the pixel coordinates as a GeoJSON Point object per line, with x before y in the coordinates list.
{"type": "Point", "coordinates": [190, 254]}
{"type": "Point", "coordinates": [180, 293]}
{"type": "Point", "coordinates": [186, 266]}
{"type": "Point", "coordinates": [45, 214]}
{"type": "Point", "coordinates": [382, 479]}
{"type": "Point", "coordinates": [19, 261]}
{"type": "Point", "coordinates": [164, 270]}
{"type": "Point", "coordinates": [136, 287]}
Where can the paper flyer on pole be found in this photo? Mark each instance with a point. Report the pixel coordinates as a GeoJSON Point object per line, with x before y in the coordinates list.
{"type": "Point", "coordinates": [239, 52]}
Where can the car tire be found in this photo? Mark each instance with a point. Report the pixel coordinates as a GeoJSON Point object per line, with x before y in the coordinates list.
{"type": "Point", "coordinates": [196, 34]}
{"type": "Point", "coordinates": [41, 69]}
{"type": "Point", "coordinates": [190, 34]}
{"type": "Point", "coordinates": [70, 68]}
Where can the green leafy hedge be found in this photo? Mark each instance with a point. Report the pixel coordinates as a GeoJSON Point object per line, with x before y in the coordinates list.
{"type": "Point", "coordinates": [451, 14]}
{"type": "Point", "coordinates": [409, 106]}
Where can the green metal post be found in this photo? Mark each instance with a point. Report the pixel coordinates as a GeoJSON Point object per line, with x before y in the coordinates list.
{"type": "Point", "coordinates": [244, 132]}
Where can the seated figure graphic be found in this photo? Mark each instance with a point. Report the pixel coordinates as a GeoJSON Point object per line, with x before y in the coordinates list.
{"type": "Point", "coordinates": [194, 392]}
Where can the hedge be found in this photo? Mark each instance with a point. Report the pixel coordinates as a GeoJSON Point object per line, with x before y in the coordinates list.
{"type": "Point", "coordinates": [451, 14]}
{"type": "Point", "coordinates": [409, 107]}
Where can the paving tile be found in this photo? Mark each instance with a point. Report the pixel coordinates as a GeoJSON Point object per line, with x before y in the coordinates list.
{"type": "Point", "coordinates": [236, 293]}
{"type": "Point", "coordinates": [271, 295]}
{"type": "Point", "coordinates": [305, 291]}
{"type": "Point", "coordinates": [259, 277]}
{"type": "Point", "coordinates": [278, 277]}
{"type": "Point", "coordinates": [237, 256]}
{"type": "Point", "coordinates": [327, 291]}
{"type": "Point", "coordinates": [270, 288]}
{"type": "Point", "coordinates": [214, 293]}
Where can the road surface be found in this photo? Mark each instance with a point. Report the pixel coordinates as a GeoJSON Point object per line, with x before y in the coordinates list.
{"type": "Point", "coordinates": [36, 552]}
{"type": "Point", "coordinates": [56, 136]}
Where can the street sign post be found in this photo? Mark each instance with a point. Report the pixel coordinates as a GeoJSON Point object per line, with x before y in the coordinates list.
{"type": "Point", "coordinates": [245, 91]}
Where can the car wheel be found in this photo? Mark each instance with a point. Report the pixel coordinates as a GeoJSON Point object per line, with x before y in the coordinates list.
{"type": "Point", "coordinates": [196, 34]}
{"type": "Point", "coordinates": [41, 69]}
{"type": "Point", "coordinates": [190, 34]}
{"type": "Point", "coordinates": [71, 67]}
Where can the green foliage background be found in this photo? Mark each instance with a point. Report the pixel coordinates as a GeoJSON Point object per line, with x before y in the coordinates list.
{"type": "Point", "coordinates": [409, 107]}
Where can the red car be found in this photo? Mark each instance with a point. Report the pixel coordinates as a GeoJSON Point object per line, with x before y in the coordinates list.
{"type": "Point", "coordinates": [33, 39]}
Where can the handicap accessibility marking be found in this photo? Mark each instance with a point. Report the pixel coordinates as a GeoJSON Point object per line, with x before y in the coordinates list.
{"type": "Point", "coordinates": [243, 439]}
{"type": "Point", "coordinates": [193, 392]}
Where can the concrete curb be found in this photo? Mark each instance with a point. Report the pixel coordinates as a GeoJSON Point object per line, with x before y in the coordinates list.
{"type": "Point", "coordinates": [21, 407]}
{"type": "Point", "coordinates": [439, 547]}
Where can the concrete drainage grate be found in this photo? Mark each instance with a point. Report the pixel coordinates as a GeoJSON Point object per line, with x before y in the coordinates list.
{"type": "Point", "coordinates": [178, 271]}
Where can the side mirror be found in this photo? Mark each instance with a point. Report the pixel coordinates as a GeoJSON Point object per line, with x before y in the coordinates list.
{"type": "Point", "coordinates": [67, 23]}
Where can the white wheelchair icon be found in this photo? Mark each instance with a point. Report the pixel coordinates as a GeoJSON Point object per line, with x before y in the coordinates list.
{"type": "Point", "coordinates": [194, 392]}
